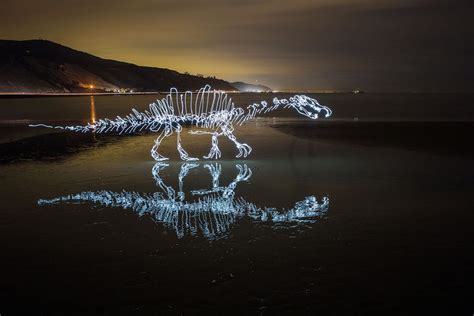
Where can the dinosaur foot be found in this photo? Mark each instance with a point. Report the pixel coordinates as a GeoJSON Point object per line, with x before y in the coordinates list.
{"type": "Point", "coordinates": [244, 150]}
{"type": "Point", "coordinates": [159, 157]}
{"type": "Point", "coordinates": [245, 173]}
{"type": "Point", "coordinates": [184, 154]}
{"type": "Point", "coordinates": [215, 153]}
{"type": "Point", "coordinates": [187, 158]}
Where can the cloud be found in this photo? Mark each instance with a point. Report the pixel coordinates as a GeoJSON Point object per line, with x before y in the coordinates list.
{"type": "Point", "coordinates": [327, 44]}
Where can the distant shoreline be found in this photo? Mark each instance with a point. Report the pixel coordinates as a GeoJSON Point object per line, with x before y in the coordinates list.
{"type": "Point", "coordinates": [70, 94]}
{"type": "Point", "coordinates": [80, 94]}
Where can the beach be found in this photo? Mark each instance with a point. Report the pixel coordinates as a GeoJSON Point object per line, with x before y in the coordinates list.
{"type": "Point", "coordinates": [395, 234]}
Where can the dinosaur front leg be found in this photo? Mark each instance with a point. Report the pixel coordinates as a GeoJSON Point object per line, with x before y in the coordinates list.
{"type": "Point", "coordinates": [185, 167]}
{"type": "Point", "coordinates": [155, 171]}
{"type": "Point", "coordinates": [182, 153]}
{"type": "Point", "coordinates": [244, 149]}
{"type": "Point", "coordinates": [154, 151]}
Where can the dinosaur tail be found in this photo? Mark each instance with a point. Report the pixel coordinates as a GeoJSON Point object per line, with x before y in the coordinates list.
{"type": "Point", "coordinates": [132, 123]}
{"type": "Point", "coordinates": [77, 128]}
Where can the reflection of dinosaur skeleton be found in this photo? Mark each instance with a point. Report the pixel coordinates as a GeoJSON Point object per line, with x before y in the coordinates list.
{"type": "Point", "coordinates": [210, 109]}
{"type": "Point", "coordinates": [212, 212]}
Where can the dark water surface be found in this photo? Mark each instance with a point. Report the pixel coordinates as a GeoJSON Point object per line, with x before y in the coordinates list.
{"type": "Point", "coordinates": [391, 232]}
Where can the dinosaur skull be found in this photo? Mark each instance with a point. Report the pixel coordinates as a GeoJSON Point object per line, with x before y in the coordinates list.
{"type": "Point", "coordinates": [309, 107]}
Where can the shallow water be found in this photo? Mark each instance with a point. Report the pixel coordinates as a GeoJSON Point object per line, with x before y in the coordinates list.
{"type": "Point", "coordinates": [395, 235]}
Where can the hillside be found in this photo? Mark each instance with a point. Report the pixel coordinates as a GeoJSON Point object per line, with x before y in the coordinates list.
{"type": "Point", "coordinates": [40, 66]}
{"type": "Point", "coordinates": [247, 87]}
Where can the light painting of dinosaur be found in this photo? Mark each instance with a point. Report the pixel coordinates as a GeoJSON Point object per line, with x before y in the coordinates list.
{"type": "Point", "coordinates": [211, 110]}
{"type": "Point", "coordinates": [210, 212]}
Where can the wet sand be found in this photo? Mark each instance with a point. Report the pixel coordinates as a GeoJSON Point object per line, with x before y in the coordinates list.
{"type": "Point", "coordinates": [441, 137]}
{"type": "Point", "coordinates": [396, 237]}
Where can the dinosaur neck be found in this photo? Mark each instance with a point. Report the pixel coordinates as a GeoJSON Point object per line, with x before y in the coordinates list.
{"type": "Point", "coordinates": [256, 109]}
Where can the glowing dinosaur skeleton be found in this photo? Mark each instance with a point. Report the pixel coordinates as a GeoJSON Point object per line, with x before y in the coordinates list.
{"type": "Point", "coordinates": [212, 213]}
{"type": "Point", "coordinates": [212, 110]}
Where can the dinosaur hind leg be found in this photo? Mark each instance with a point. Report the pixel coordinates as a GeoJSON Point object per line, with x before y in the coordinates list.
{"type": "Point", "coordinates": [215, 152]}
{"type": "Point", "coordinates": [244, 149]}
{"type": "Point", "coordinates": [154, 151]}
{"type": "Point", "coordinates": [182, 153]}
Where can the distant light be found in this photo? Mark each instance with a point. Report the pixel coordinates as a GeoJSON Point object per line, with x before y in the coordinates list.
{"type": "Point", "coordinates": [93, 120]}
{"type": "Point", "coordinates": [91, 86]}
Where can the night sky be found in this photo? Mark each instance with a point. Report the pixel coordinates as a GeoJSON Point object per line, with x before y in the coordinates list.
{"type": "Point", "coordinates": [373, 45]}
